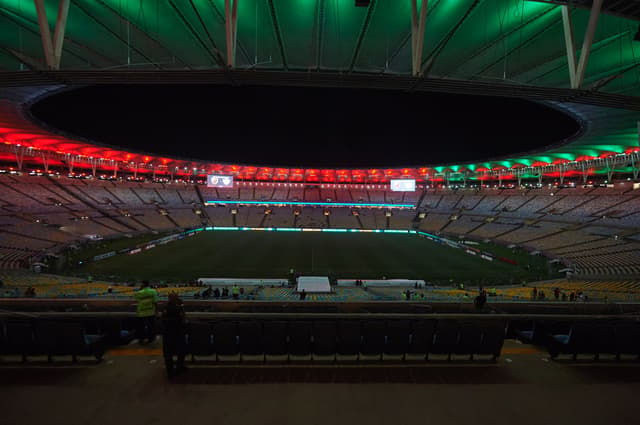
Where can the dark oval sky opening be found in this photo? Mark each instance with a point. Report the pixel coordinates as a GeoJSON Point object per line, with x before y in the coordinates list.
{"type": "Point", "coordinates": [305, 127]}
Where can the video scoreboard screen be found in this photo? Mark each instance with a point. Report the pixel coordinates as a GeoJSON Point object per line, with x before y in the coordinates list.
{"type": "Point", "coordinates": [216, 180]}
{"type": "Point", "coordinates": [403, 185]}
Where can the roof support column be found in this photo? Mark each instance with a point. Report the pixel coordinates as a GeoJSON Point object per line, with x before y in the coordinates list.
{"type": "Point", "coordinates": [417, 35]}
{"type": "Point", "coordinates": [52, 47]}
{"type": "Point", "coordinates": [94, 164]}
{"type": "Point", "coordinates": [231, 27]}
{"type": "Point", "coordinates": [19, 152]}
{"type": "Point", "coordinates": [576, 73]}
{"type": "Point", "coordinates": [609, 168]}
{"type": "Point", "coordinates": [45, 161]}
{"type": "Point", "coordinates": [70, 162]}
{"type": "Point", "coordinates": [569, 42]}
{"type": "Point", "coordinates": [588, 41]}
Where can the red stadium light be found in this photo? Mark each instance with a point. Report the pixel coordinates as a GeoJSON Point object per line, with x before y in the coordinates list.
{"type": "Point", "coordinates": [607, 154]}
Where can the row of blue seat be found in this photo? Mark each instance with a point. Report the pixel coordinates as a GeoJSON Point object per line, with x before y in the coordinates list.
{"type": "Point", "coordinates": [49, 338]}
{"type": "Point", "coordinates": [620, 337]}
{"type": "Point", "coordinates": [371, 338]}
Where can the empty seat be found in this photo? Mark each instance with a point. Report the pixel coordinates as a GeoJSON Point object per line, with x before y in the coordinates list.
{"type": "Point", "coordinates": [445, 338]}
{"type": "Point", "coordinates": [581, 339]}
{"type": "Point", "coordinates": [299, 338]}
{"type": "Point", "coordinates": [627, 339]}
{"type": "Point", "coordinates": [422, 337]}
{"type": "Point", "coordinates": [324, 338]}
{"type": "Point", "coordinates": [275, 338]}
{"type": "Point", "coordinates": [526, 332]}
{"type": "Point", "coordinates": [67, 339]}
{"type": "Point", "coordinates": [492, 340]}
{"type": "Point", "coordinates": [605, 339]}
{"type": "Point", "coordinates": [469, 339]}
{"type": "Point", "coordinates": [19, 339]}
{"type": "Point", "coordinates": [398, 337]}
{"type": "Point", "coordinates": [225, 339]}
{"type": "Point", "coordinates": [200, 339]}
{"type": "Point", "coordinates": [373, 337]}
{"type": "Point", "coordinates": [114, 333]}
{"type": "Point", "coordinates": [349, 337]}
{"type": "Point", "coordinates": [250, 338]}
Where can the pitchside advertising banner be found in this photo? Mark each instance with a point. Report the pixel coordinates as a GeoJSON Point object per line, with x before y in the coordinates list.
{"type": "Point", "coordinates": [217, 180]}
{"type": "Point", "coordinates": [403, 185]}
{"type": "Point", "coordinates": [147, 245]}
{"type": "Point", "coordinates": [103, 256]}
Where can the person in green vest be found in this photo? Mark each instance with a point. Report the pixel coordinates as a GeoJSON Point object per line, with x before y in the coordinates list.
{"type": "Point", "coordinates": [235, 292]}
{"type": "Point", "coordinates": [147, 300]}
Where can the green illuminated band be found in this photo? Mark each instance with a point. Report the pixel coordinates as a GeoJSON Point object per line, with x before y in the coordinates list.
{"type": "Point", "coordinates": [303, 229]}
{"type": "Point", "coordinates": [310, 204]}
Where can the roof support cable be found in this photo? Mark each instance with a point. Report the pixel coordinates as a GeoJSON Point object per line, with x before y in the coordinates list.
{"type": "Point", "coordinates": [204, 27]}
{"type": "Point", "coordinates": [427, 64]}
{"type": "Point", "coordinates": [363, 33]}
{"type": "Point", "coordinates": [140, 31]}
{"type": "Point", "coordinates": [115, 34]}
{"type": "Point", "coordinates": [215, 54]}
{"type": "Point", "coordinates": [278, 33]}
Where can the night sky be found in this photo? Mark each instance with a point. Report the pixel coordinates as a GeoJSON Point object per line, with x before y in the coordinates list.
{"type": "Point", "coordinates": [305, 127]}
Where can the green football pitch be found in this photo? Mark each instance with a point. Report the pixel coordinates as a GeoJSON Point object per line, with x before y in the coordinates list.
{"type": "Point", "coordinates": [340, 255]}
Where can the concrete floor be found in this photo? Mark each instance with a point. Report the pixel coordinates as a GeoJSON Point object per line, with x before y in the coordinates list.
{"type": "Point", "coordinates": [129, 387]}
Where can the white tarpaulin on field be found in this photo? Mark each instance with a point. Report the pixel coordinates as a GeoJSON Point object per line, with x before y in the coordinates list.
{"type": "Point", "coordinates": [313, 284]}
{"type": "Point", "coordinates": [228, 281]}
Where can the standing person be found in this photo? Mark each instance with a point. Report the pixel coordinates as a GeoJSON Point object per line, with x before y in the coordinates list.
{"type": "Point", "coordinates": [235, 292]}
{"type": "Point", "coordinates": [480, 300]}
{"type": "Point", "coordinates": [147, 300]}
{"type": "Point", "coordinates": [173, 340]}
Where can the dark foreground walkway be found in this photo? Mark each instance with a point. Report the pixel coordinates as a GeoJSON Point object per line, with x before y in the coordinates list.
{"type": "Point", "coordinates": [129, 387]}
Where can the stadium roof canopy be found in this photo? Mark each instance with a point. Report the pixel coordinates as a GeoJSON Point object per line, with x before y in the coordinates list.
{"type": "Point", "coordinates": [579, 56]}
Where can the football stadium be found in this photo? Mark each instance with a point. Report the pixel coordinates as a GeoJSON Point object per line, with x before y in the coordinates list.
{"type": "Point", "coordinates": [371, 210]}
